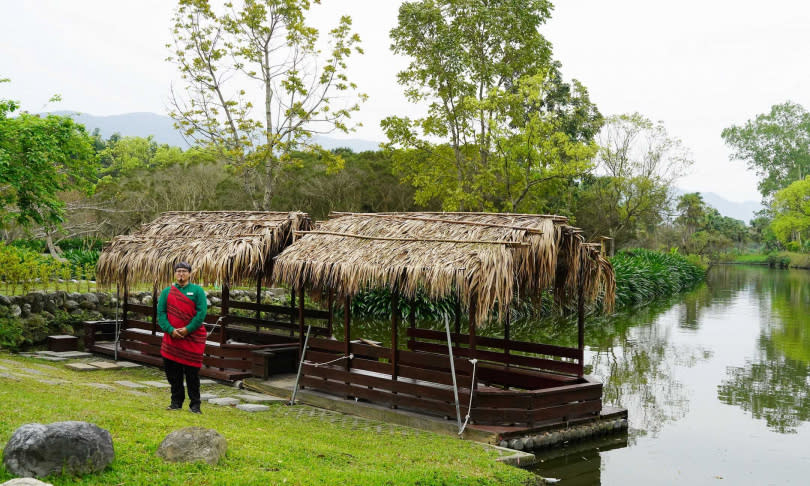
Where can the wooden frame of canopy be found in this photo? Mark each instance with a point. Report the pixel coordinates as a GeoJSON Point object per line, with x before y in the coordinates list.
{"type": "Point", "coordinates": [484, 260]}
{"type": "Point", "coordinates": [228, 248]}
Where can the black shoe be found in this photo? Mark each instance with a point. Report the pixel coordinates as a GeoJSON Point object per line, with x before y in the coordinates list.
{"type": "Point", "coordinates": [196, 410]}
{"type": "Point", "coordinates": [174, 407]}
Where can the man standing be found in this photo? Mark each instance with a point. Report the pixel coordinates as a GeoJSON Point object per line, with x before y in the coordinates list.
{"type": "Point", "coordinates": [181, 309]}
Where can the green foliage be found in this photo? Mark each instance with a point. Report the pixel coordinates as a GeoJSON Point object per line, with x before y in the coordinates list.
{"type": "Point", "coordinates": [628, 195]}
{"type": "Point", "coordinates": [22, 269]}
{"type": "Point", "coordinates": [40, 157]}
{"type": "Point", "coordinates": [260, 49]}
{"type": "Point", "coordinates": [67, 244]}
{"type": "Point", "coordinates": [32, 244]}
{"type": "Point", "coordinates": [775, 145]}
{"type": "Point", "coordinates": [791, 209]}
{"type": "Point", "coordinates": [502, 129]}
{"type": "Point", "coordinates": [377, 304]}
{"type": "Point", "coordinates": [643, 275]}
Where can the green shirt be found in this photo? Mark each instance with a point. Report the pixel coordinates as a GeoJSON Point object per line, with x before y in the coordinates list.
{"type": "Point", "coordinates": [193, 292]}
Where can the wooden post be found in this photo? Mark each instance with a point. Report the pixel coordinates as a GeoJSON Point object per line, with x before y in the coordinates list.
{"type": "Point", "coordinates": [473, 339]}
{"type": "Point", "coordinates": [581, 323]}
{"type": "Point", "coordinates": [292, 311]}
{"type": "Point", "coordinates": [412, 324]}
{"type": "Point", "coordinates": [124, 308]}
{"type": "Point", "coordinates": [330, 302]}
{"type": "Point", "coordinates": [225, 308]}
{"type": "Point", "coordinates": [506, 337]}
{"type": "Point", "coordinates": [258, 298]}
{"type": "Point", "coordinates": [347, 320]}
{"type": "Point", "coordinates": [301, 331]}
{"type": "Point", "coordinates": [395, 317]}
{"type": "Point", "coordinates": [154, 309]}
{"type": "Point", "coordinates": [458, 318]}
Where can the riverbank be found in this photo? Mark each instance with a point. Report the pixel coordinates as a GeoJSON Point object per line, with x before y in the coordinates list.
{"type": "Point", "coordinates": [284, 445]}
{"type": "Point", "coordinates": [782, 259]}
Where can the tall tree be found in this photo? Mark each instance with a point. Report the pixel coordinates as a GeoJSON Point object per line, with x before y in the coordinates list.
{"type": "Point", "coordinates": [40, 158]}
{"type": "Point", "coordinates": [638, 162]}
{"type": "Point", "coordinates": [500, 122]}
{"type": "Point", "coordinates": [791, 210]}
{"type": "Point", "coordinates": [775, 145]}
{"type": "Point", "coordinates": [260, 51]}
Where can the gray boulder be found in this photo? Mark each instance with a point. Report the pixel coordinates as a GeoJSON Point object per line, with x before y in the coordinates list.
{"type": "Point", "coordinates": [4, 300]}
{"type": "Point", "coordinates": [61, 447]}
{"type": "Point", "coordinates": [71, 305]}
{"type": "Point", "coordinates": [193, 444]}
{"type": "Point", "coordinates": [25, 482]}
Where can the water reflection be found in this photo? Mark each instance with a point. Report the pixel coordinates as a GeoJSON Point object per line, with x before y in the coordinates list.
{"type": "Point", "coordinates": [773, 385]}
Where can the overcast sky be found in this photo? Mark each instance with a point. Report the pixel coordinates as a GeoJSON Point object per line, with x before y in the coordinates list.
{"type": "Point", "coordinates": [698, 66]}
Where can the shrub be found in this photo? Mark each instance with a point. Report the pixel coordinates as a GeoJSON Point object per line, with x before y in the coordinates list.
{"type": "Point", "coordinates": [644, 275]}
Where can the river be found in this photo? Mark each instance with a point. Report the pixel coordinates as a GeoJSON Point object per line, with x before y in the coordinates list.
{"type": "Point", "coordinates": [716, 383]}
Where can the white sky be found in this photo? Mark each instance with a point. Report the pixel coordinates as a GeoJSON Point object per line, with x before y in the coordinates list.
{"type": "Point", "coordinates": [698, 66]}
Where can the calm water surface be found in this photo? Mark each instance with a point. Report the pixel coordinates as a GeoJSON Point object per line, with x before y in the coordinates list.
{"type": "Point", "coordinates": [716, 383]}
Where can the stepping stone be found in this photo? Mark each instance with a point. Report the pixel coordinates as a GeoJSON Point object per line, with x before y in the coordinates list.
{"type": "Point", "coordinates": [101, 386]}
{"type": "Point", "coordinates": [128, 364]}
{"type": "Point", "coordinates": [52, 358]}
{"type": "Point", "coordinates": [130, 384]}
{"type": "Point", "coordinates": [52, 382]}
{"type": "Point", "coordinates": [80, 367]}
{"type": "Point", "coordinates": [252, 407]}
{"type": "Point", "coordinates": [207, 396]}
{"type": "Point", "coordinates": [104, 365]}
{"type": "Point", "coordinates": [47, 367]}
{"type": "Point", "coordinates": [3, 368]}
{"type": "Point", "coordinates": [49, 353]}
{"type": "Point", "coordinates": [137, 393]}
{"type": "Point", "coordinates": [73, 354]}
{"type": "Point", "coordinates": [223, 401]}
{"type": "Point", "coordinates": [259, 398]}
{"type": "Point", "coordinates": [206, 381]}
{"type": "Point", "coordinates": [157, 384]}
{"type": "Point", "coordinates": [31, 370]}
{"type": "Point", "coordinates": [9, 377]}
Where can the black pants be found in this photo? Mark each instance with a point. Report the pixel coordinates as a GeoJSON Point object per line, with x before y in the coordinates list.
{"type": "Point", "coordinates": [174, 373]}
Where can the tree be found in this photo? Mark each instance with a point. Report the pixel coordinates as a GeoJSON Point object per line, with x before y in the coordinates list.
{"type": "Point", "coordinates": [40, 158]}
{"type": "Point", "coordinates": [500, 122]}
{"type": "Point", "coordinates": [791, 209]}
{"type": "Point", "coordinates": [637, 165]}
{"type": "Point", "coordinates": [260, 50]}
{"type": "Point", "coordinates": [775, 145]}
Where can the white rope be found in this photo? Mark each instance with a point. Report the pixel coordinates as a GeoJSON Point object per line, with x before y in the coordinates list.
{"type": "Point", "coordinates": [472, 390]}
{"type": "Point", "coordinates": [350, 356]}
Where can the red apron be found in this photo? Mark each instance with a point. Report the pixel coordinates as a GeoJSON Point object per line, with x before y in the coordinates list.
{"type": "Point", "coordinates": [189, 350]}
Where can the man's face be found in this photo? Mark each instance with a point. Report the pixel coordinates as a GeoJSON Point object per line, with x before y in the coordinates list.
{"type": "Point", "coordinates": [181, 275]}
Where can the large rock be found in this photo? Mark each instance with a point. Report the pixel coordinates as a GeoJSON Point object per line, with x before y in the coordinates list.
{"type": "Point", "coordinates": [61, 447]}
{"type": "Point", "coordinates": [25, 482]}
{"type": "Point", "coordinates": [193, 444]}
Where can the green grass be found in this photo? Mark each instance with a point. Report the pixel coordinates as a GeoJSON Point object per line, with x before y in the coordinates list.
{"type": "Point", "coordinates": [749, 258]}
{"type": "Point", "coordinates": [287, 445]}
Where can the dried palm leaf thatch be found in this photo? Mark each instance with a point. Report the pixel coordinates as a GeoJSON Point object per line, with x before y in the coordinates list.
{"type": "Point", "coordinates": [482, 257]}
{"type": "Point", "coordinates": [221, 246]}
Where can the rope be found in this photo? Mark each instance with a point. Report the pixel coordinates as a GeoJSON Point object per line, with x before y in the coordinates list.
{"type": "Point", "coordinates": [350, 356]}
{"type": "Point", "coordinates": [472, 390]}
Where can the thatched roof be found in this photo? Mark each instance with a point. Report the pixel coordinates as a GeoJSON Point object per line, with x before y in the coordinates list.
{"type": "Point", "coordinates": [221, 246]}
{"type": "Point", "coordinates": [483, 257]}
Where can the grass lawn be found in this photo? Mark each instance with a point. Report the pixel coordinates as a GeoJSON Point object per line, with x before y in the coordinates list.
{"type": "Point", "coordinates": [287, 445]}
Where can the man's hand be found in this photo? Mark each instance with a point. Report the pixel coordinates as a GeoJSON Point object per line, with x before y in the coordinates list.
{"type": "Point", "coordinates": [182, 331]}
{"type": "Point", "coordinates": [176, 334]}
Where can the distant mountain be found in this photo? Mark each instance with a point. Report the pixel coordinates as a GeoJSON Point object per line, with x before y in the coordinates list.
{"type": "Point", "coordinates": [162, 130]}
{"type": "Point", "coordinates": [160, 127]}
{"type": "Point", "coordinates": [744, 211]}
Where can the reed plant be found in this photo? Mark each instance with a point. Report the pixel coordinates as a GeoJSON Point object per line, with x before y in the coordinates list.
{"type": "Point", "coordinates": [644, 275]}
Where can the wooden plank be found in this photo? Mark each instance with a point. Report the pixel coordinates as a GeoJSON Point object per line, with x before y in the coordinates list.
{"type": "Point", "coordinates": [383, 383]}
{"type": "Point", "coordinates": [237, 364]}
{"type": "Point", "coordinates": [138, 324]}
{"type": "Point", "coordinates": [434, 361]}
{"type": "Point", "coordinates": [145, 310]}
{"type": "Point", "coordinates": [326, 344]}
{"type": "Point", "coordinates": [380, 396]}
{"type": "Point", "coordinates": [129, 335]}
{"type": "Point", "coordinates": [539, 363]}
{"type": "Point", "coordinates": [537, 348]}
